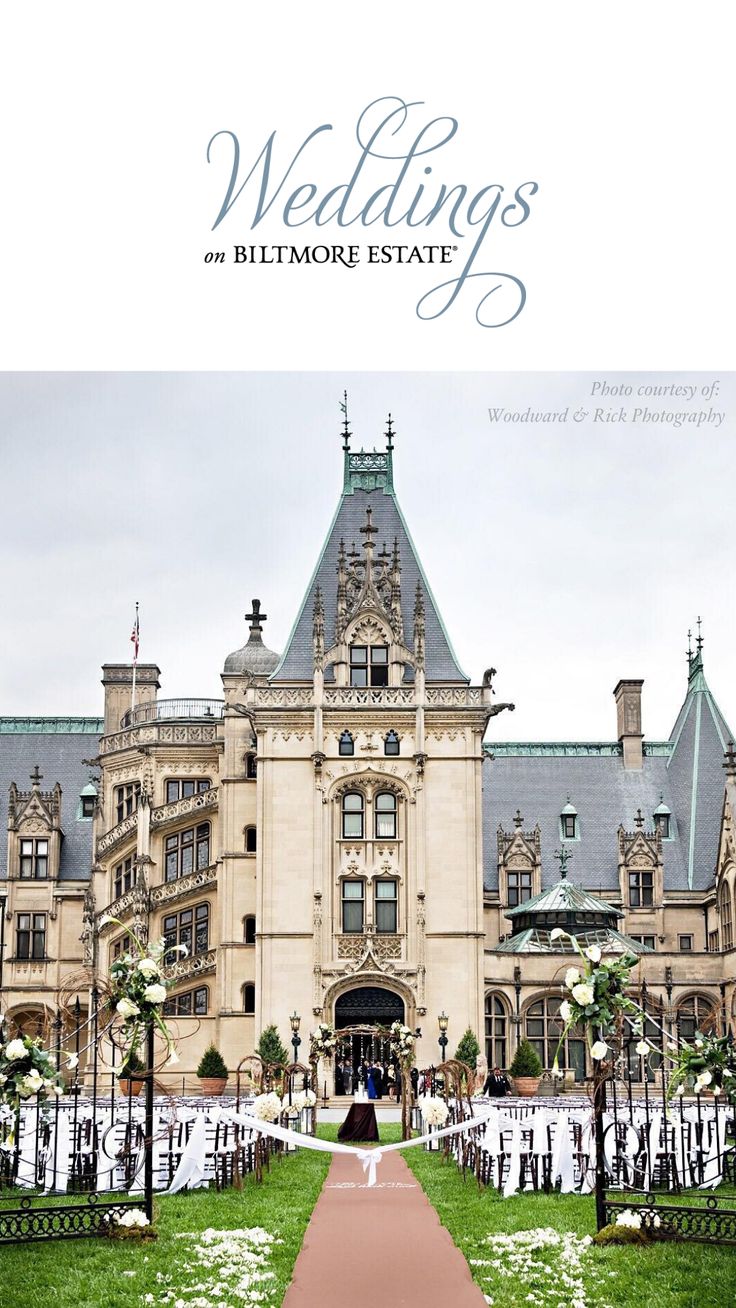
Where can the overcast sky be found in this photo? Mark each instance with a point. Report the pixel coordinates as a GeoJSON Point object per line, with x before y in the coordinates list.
{"type": "Point", "coordinates": [567, 555]}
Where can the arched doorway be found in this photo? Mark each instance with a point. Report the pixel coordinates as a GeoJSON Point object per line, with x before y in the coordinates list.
{"type": "Point", "coordinates": [362, 1012]}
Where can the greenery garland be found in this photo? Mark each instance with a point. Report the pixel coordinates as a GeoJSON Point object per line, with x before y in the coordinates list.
{"type": "Point", "coordinates": [597, 1001]}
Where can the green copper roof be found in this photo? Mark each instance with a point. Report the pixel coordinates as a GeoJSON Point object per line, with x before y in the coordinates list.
{"type": "Point", "coordinates": [51, 726]}
{"type": "Point", "coordinates": [569, 748]}
{"type": "Point", "coordinates": [535, 941]}
{"type": "Point", "coordinates": [563, 897]}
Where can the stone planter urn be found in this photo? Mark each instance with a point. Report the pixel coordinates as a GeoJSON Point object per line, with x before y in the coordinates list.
{"type": "Point", "coordinates": [526, 1086]}
{"type": "Point", "coordinates": [212, 1085]}
{"type": "Point", "coordinates": [129, 1086]}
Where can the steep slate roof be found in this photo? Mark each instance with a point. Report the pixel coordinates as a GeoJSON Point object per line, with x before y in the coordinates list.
{"type": "Point", "coordinates": [368, 481]}
{"type": "Point", "coordinates": [58, 746]}
{"type": "Point", "coordinates": [686, 772]}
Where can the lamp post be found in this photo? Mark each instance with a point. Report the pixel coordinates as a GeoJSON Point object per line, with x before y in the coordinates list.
{"type": "Point", "coordinates": [295, 1037]}
{"type": "Point", "coordinates": [443, 1021]}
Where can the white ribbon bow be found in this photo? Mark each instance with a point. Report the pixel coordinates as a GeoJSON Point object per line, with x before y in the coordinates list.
{"type": "Point", "coordinates": [370, 1158]}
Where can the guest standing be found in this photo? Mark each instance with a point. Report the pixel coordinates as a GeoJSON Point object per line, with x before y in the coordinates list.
{"type": "Point", "coordinates": [497, 1084]}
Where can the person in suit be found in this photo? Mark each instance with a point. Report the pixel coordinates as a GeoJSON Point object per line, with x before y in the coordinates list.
{"type": "Point", "coordinates": [497, 1084]}
{"type": "Point", "coordinates": [339, 1079]}
{"type": "Point", "coordinates": [414, 1078]}
{"type": "Point", "coordinates": [347, 1078]}
{"type": "Point", "coordinates": [379, 1081]}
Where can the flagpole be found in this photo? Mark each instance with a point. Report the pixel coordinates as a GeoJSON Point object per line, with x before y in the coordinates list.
{"type": "Point", "coordinates": [135, 655]}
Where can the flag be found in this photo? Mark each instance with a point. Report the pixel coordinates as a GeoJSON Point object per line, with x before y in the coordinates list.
{"type": "Point", "coordinates": [135, 636]}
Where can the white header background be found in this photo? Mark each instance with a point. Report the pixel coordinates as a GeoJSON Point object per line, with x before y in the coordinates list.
{"type": "Point", "coordinates": [622, 113]}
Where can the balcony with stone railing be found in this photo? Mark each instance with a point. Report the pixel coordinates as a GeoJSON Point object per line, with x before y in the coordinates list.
{"type": "Point", "coordinates": [192, 967]}
{"type": "Point", "coordinates": [169, 891]}
{"type": "Point", "coordinates": [300, 697]}
{"type": "Point", "coordinates": [117, 835]}
{"type": "Point", "coordinates": [203, 802]}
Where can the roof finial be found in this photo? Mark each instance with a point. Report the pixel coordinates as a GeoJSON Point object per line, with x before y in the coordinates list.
{"type": "Point", "coordinates": [563, 856]}
{"type": "Point", "coordinates": [730, 763]}
{"type": "Point", "coordinates": [699, 641]}
{"type": "Point", "coordinates": [389, 434]}
{"type": "Point", "coordinates": [256, 618]}
{"type": "Point", "coordinates": [346, 432]}
{"type": "Point", "coordinates": [36, 777]}
{"type": "Point", "coordinates": [518, 819]}
{"type": "Point", "coordinates": [689, 645]}
{"type": "Point", "coordinates": [639, 820]}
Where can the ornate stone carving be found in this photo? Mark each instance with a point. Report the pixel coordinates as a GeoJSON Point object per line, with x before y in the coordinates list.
{"type": "Point", "coordinates": [117, 835]}
{"type": "Point", "coordinates": [284, 696]}
{"type": "Point", "coordinates": [159, 733]}
{"type": "Point", "coordinates": [454, 696]}
{"type": "Point", "coordinates": [189, 885]}
{"type": "Point", "coordinates": [359, 947]}
{"type": "Point", "coordinates": [380, 696]}
{"type": "Point", "coordinates": [195, 966]}
{"type": "Point", "coordinates": [89, 935]}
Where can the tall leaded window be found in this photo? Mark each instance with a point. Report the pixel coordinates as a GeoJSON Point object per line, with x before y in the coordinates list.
{"type": "Point", "coordinates": [641, 888]}
{"type": "Point", "coordinates": [191, 1003]}
{"type": "Point", "coordinates": [124, 876]}
{"type": "Point", "coordinates": [185, 787]}
{"type": "Point", "coordinates": [724, 906]}
{"type": "Point", "coordinates": [126, 799]}
{"type": "Point", "coordinates": [369, 665]}
{"type": "Point", "coordinates": [353, 813]}
{"type": "Point", "coordinates": [694, 1014]}
{"type": "Point", "coordinates": [34, 859]}
{"type": "Point", "coordinates": [187, 851]}
{"type": "Point", "coordinates": [190, 928]}
{"type": "Point", "coordinates": [496, 1048]}
{"type": "Point", "coordinates": [30, 940]}
{"type": "Point", "coordinates": [346, 745]}
{"type": "Point", "coordinates": [544, 1026]}
{"type": "Point", "coordinates": [353, 906]}
{"type": "Point", "coordinates": [385, 815]}
{"type": "Point", "coordinates": [386, 906]}
{"type": "Point", "coordinates": [519, 887]}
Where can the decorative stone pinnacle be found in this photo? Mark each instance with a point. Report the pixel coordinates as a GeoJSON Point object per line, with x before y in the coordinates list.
{"type": "Point", "coordinates": [368, 530]}
{"type": "Point", "coordinates": [563, 857]}
{"type": "Point", "coordinates": [36, 777]}
{"type": "Point", "coordinates": [730, 762]}
{"type": "Point", "coordinates": [518, 819]}
{"type": "Point", "coordinates": [638, 820]}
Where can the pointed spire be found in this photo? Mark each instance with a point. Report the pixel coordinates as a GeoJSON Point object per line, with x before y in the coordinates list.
{"type": "Point", "coordinates": [389, 434]}
{"type": "Point", "coordinates": [346, 432]}
{"type": "Point", "coordinates": [563, 856]}
{"type": "Point", "coordinates": [318, 626]}
{"type": "Point", "coordinates": [419, 626]}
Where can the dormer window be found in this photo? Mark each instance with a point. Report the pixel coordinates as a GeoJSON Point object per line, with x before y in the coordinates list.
{"type": "Point", "coordinates": [569, 829]}
{"type": "Point", "coordinates": [369, 665]}
{"type": "Point", "coordinates": [87, 802]}
{"type": "Point", "coordinates": [88, 806]}
{"type": "Point", "coordinates": [34, 859]}
{"type": "Point", "coordinates": [391, 744]}
{"type": "Point", "coordinates": [663, 820]}
{"type": "Point", "coordinates": [346, 745]}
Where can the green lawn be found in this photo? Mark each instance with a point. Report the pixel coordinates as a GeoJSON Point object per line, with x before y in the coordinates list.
{"type": "Point", "coordinates": [91, 1273]}
{"type": "Point", "coordinates": [666, 1275]}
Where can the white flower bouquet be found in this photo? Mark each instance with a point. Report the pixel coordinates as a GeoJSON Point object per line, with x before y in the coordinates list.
{"type": "Point", "coordinates": [403, 1041]}
{"type": "Point", "coordinates": [434, 1110]}
{"type": "Point", "coordinates": [597, 1000]}
{"type": "Point", "coordinates": [267, 1108]}
{"type": "Point", "coordinates": [322, 1042]}
{"type": "Point", "coordinates": [26, 1070]}
{"type": "Point", "coordinates": [138, 989]}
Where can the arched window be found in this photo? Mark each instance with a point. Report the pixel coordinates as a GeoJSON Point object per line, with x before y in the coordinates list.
{"type": "Point", "coordinates": [250, 840]}
{"type": "Point", "coordinates": [249, 930]}
{"type": "Point", "coordinates": [251, 767]}
{"type": "Point", "coordinates": [385, 815]}
{"type": "Point", "coordinates": [496, 1018]}
{"type": "Point", "coordinates": [391, 744]}
{"type": "Point", "coordinates": [544, 1026]}
{"type": "Point", "coordinates": [695, 1013]}
{"type": "Point", "coordinates": [249, 999]}
{"type": "Point", "coordinates": [346, 746]}
{"type": "Point", "coordinates": [724, 906]}
{"type": "Point", "coordinates": [352, 815]}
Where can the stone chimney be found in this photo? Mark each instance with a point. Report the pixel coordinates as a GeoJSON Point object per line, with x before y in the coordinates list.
{"type": "Point", "coordinates": [117, 678]}
{"type": "Point", "coordinates": [628, 722]}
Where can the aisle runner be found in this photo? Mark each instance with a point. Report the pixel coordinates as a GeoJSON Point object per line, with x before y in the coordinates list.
{"type": "Point", "coordinates": [379, 1246]}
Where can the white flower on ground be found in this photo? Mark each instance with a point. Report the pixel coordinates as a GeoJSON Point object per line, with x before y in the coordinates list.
{"type": "Point", "coordinates": [15, 1049]}
{"type": "Point", "coordinates": [147, 967]}
{"type": "Point", "coordinates": [131, 1217]}
{"type": "Point", "coordinates": [565, 1011]}
{"type": "Point", "coordinates": [126, 1008]}
{"type": "Point", "coordinates": [643, 1048]}
{"type": "Point", "coordinates": [599, 1049]}
{"type": "Point", "coordinates": [593, 952]}
{"type": "Point", "coordinates": [572, 976]}
{"type": "Point", "coordinates": [583, 994]}
{"type": "Point", "coordinates": [627, 1218]}
{"type": "Point", "coordinates": [155, 994]}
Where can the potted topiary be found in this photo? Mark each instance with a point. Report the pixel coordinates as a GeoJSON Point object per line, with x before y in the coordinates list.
{"type": "Point", "coordinates": [526, 1070]}
{"type": "Point", "coordinates": [129, 1082]}
{"type": "Point", "coordinates": [212, 1072]}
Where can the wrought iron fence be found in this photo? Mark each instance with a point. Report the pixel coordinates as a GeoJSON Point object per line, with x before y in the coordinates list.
{"type": "Point", "coordinates": [157, 710]}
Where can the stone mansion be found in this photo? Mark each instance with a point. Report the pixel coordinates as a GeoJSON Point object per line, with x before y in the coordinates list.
{"type": "Point", "coordinates": [337, 836]}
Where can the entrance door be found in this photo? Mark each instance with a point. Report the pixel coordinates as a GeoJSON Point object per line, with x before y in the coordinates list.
{"type": "Point", "coordinates": [368, 1008]}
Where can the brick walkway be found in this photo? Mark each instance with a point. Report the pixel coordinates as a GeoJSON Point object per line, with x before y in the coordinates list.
{"type": "Point", "coordinates": [381, 1247]}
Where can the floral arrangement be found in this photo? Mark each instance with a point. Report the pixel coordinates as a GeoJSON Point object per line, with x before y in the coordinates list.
{"type": "Point", "coordinates": [403, 1041]}
{"type": "Point", "coordinates": [138, 990]}
{"type": "Point", "coordinates": [267, 1108]}
{"type": "Point", "coordinates": [26, 1069]}
{"type": "Point", "coordinates": [434, 1110]}
{"type": "Point", "coordinates": [299, 1101]}
{"type": "Point", "coordinates": [322, 1042]}
{"type": "Point", "coordinates": [597, 1001]}
{"type": "Point", "coordinates": [707, 1064]}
